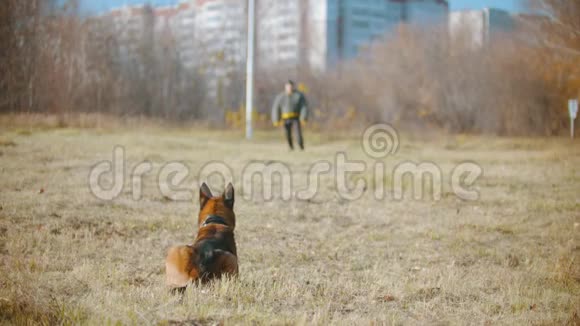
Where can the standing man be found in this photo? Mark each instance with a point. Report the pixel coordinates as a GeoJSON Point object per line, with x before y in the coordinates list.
{"type": "Point", "coordinates": [290, 107]}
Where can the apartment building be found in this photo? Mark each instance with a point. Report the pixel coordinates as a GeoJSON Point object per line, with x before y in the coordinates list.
{"type": "Point", "coordinates": [220, 36]}
{"type": "Point", "coordinates": [210, 35]}
{"type": "Point", "coordinates": [476, 28]}
{"type": "Point", "coordinates": [424, 12]}
{"type": "Point", "coordinates": [320, 33]}
{"type": "Point", "coordinates": [281, 32]}
{"type": "Point", "coordinates": [133, 27]}
{"type": "Point", "coordinates": [220, 28]}
{"type": "Point", "coordinates": [182, 26]}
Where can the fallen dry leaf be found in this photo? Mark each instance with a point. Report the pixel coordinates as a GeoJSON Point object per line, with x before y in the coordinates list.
{"type": "Point", "coordinates": [386, 298]}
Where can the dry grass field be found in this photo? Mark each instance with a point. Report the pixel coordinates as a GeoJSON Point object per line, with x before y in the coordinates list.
{"type": "Point", "coordinates": [511, 257]}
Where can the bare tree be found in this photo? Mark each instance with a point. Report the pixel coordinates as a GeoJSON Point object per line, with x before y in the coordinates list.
{"type": "Point", "coordinates": [559, 25]}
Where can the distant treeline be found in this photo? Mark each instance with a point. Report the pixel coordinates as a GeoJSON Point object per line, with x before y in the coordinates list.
{"type": "Point", "coordinates": [57, 63]}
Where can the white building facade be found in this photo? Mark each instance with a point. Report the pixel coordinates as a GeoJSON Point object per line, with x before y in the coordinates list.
{"type": "Point", "coordinates": [220, 28]}
{"type": "Point", "coordinates": [220, 40]}
{"type": "Point", "coordinates": [182, 25]}
{"type": "Point", "coordinates": [281, 34]}
{"type": "Point", "coordinates": [476, 28]}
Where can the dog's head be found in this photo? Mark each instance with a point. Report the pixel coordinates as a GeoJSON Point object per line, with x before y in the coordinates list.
{"type": "Point", "coordinates": [218, 208]}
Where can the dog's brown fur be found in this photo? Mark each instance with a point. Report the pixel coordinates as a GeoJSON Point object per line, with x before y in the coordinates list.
{"type": "Point", "coordinates": [213, 253]}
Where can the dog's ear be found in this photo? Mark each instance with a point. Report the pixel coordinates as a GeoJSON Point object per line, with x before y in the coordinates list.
{"type": "Point", "coordinates": [204, 195]}
{"type": "Point", "coordinates": [229, 196]}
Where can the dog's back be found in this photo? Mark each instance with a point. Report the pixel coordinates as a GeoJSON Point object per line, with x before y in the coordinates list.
{"type": "Point", "coordinates": [213, 253]}
{"type": "Point", "coordinates": [216, 250]}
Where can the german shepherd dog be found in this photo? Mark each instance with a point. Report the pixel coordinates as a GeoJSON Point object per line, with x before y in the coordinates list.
{"type": "Point", "coordinates": [213, 253]}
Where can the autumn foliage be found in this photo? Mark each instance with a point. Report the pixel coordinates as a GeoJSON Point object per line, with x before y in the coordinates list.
{"type": "Point", "coordinates": [518, 84]}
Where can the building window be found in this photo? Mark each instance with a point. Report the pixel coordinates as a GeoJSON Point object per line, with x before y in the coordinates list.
{"type": "Point", "coordinates": [288, 23]}
{"type": "Point", "coordinates": [284, 37]}
{"type": "Point", "coordinates": [361, 12]}
{"type": "Point", "coordinates": [360, 24]}
{"type": "Point", "coordinates": [211, 7]}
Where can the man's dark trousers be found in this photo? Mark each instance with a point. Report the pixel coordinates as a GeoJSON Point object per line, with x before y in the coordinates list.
{"type": "Point", "coordinates": [288, 123]}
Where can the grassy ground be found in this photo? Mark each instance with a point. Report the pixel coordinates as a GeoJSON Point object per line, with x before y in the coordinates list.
{"type": "Point", "coordinates": [511, 257]}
